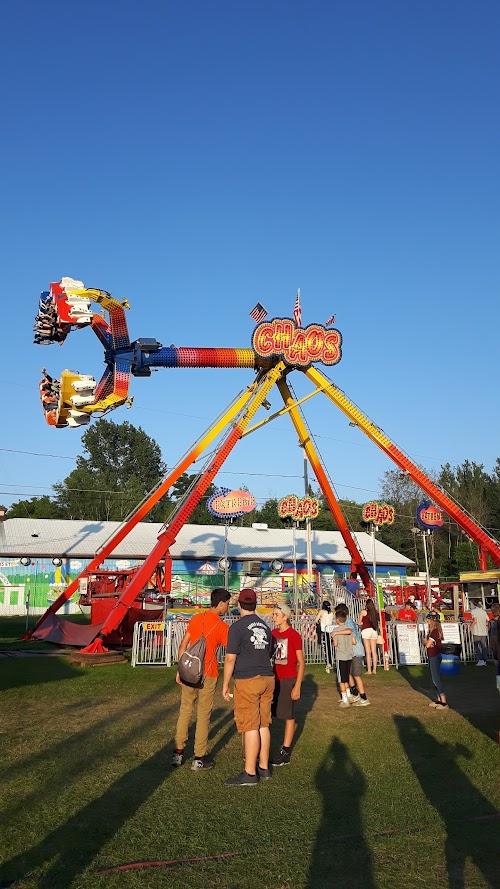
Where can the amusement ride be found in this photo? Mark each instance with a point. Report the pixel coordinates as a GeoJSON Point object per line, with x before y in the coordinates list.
{"type": "Point", "coordinates": [279, 347]}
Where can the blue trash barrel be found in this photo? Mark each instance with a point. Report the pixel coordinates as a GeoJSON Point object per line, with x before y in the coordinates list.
{"type": "Point", "coordinates": [450, 658]}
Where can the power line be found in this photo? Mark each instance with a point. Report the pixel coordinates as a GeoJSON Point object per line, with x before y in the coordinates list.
{"type": "Point", "coordinates": [37, 454]}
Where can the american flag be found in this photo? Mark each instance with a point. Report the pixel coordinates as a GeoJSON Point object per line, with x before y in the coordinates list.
{"type": "Point", "coordinates": [330, 320]}
{"type": "Point", "coordinates": [297, 310]}
{"type": "Point", "coordinates": [258, 313]}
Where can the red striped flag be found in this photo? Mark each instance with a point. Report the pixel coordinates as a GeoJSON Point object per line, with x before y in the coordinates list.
{"type": "Point", "coordinates": [258, 313]}
{"type": "Point", "coordinates": [330, 320]}
{"type": "Point", "coordinates": [297, 310]}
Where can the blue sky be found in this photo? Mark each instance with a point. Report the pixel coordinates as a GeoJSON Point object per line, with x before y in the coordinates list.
{"type": "Point", "coordinates": [199, 157]}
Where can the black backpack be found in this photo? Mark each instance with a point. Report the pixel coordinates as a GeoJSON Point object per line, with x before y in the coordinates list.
{"type": "Point", "coordinates": [191, 666]}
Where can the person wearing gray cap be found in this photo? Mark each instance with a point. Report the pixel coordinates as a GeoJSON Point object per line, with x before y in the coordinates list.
{"type": "Point", "coordinates": [248, 661]}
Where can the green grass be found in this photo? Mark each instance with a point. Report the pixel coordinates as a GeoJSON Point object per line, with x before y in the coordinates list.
{"type": "Point", "coordinates": [394, 795]}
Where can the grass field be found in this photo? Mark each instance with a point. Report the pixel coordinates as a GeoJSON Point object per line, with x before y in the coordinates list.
{"type": "Point", "coordinates": [394, 795]}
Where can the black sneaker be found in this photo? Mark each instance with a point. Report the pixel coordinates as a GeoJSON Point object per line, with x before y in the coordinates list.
{"type": "Point", "coordinates": [282, 759]}
{"type": "Point", "coordinates": [201, 762]}
{"type": "Point", "coordinates": [177, 758]}
{"type": "Point", "coordinates": [264, 774]}
{"type": "Point", "coordinates": [242, 780]}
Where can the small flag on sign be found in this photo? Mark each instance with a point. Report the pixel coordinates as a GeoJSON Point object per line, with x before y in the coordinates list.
{"type": "Point", "coordinates": [297, 310]}
{"type": "Point", "coordinates": [330, 320]}
{"type": "Point", "coordinates": [258, 313]}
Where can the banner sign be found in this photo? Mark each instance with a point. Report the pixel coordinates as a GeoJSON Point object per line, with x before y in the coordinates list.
{"type": "Point", "coordinates": [227, 504]}
{"type": "Point", "coordinates": [451, 632]}
{"type": "Point", "coordinates": [298, 508]}
{"type": "Point", "coordinates": [298, 346]}
{"type": "Point", "coordinates": [408, 644]}
{"type": "Point", "coordinates": [378, 513]}
{"type": "Point", "coordinates": [429, 516]}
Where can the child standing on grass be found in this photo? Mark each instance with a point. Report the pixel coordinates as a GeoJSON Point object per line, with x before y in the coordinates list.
{"type": "Point", "coordinates": [343, 641]}
{"type": "Point", "coordinates": [289, 673]}
{"type": "Point", "coordinates": [433, 646]}
{"type": "Point", "coordinates": [356, 694]}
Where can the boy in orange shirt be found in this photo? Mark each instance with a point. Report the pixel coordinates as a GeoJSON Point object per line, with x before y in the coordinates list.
{"type": "Point", "coordinates": [210, 625]}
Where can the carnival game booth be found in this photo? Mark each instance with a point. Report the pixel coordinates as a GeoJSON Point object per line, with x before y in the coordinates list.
{"type": "Point", "coordinates": [481, 585]}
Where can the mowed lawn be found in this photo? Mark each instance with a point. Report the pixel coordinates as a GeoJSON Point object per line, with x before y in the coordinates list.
{"type": "Point", "coordinates": [394, 795]}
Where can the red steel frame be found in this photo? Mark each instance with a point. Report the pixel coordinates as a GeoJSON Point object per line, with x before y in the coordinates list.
{"type": "Point", "coordinates": [108, 548]}
{"type": "Point", "coordinates": [265, 383]}
{"type": "Point", "coordinates": [487, 544]}
{"type": "Point", "coordinates": [241, 412]}
{"type": "Point", "coordinates": [357, 561]}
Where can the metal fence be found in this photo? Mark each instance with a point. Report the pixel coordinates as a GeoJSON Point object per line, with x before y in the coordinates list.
{"type": "Point", "coordinates": [152, 643]}
{"type": "Point", "coordinates": [157, 644]}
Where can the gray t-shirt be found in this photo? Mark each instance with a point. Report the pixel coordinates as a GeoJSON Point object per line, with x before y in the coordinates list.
{"type": "Point", "coordinates": [344, 647]}
{"type": "Point", "coordinates": [251, 641]}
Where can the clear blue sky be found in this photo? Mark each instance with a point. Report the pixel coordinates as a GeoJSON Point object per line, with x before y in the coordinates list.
{"type": "Point", "coordinates": [198, 157]}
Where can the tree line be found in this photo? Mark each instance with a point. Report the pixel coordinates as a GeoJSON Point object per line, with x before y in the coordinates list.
{"type": "Point", "coordinates": [121, 464]}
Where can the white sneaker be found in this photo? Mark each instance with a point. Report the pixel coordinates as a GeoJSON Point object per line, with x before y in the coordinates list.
{"type": "Point", "coordinates": [344, 704]}
{"type": "Point", "coordinates": [361, 702]}
{"type": "Point", "coordinates": [481, 664]}
{"type": "Point", "coordinates": [328, 669]}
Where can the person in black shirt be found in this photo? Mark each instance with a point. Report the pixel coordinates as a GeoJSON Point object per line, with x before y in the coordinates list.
{"type": "Point", "coordinates": [248, 661]}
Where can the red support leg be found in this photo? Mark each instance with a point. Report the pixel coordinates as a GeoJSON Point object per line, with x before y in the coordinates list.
{"type": "Point", "coordinates": [109, 547]}
{"type": "Point", "coordinates": [483, 559]}
{"type": "Point", "coordinates": [378, 436]}
{"type": "Point", "coordinates": [167, 537]}
{"type": "Point", "coordinates": [357, 561]}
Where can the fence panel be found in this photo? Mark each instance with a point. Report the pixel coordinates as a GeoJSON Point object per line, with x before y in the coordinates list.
{"type": "Point", "coordinates": [153, 644]}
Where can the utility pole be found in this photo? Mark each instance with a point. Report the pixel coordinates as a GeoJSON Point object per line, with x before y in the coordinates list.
{"type": "Point", "coordinates": [226, 564]}
{"type": "Point", "coordinates": [308, 530]}
{"type": "Point", "coordinates": [427, 572]}
{"type": "Point", "coordinates": [295, 584]}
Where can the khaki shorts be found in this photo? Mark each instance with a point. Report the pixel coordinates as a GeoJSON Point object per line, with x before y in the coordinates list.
{"type": "Point", "coordinates": [252, 702]}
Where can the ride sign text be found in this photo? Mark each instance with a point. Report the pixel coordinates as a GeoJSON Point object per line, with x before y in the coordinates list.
{"type": "Point", "coordinates": [378, 513]}
{"type": "Point", "coordinates": [298, 508]}
{"type": "Point", "coordinates": [226, 504]}
{"type": "Point", "coordinates": [429, 516]}
{"type": "Point", "coordinates": [298, 346]}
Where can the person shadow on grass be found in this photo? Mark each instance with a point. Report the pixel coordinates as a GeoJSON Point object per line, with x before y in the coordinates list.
{"type": "Point", "coordinates": [341, 856]}
{"type": "Point", "coordinates": [308, 695]}
{"type": "Point", "coordinates": [469, 817]}
{"type": "Point", "coordinates": [69, 849]}
{"type": "Point", "coordinates": [473, 696]}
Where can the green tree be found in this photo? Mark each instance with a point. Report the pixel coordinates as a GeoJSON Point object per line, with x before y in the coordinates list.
{"type": "Point", "coordinates": [400, 491]}
{"type": "Point", "coordinates": [35, 508]}
{"type": "Point", "coordinates": [200, 514]}
{"type": "Point", "coordinates": [120, 465]}
{"type": "Point", "coordinates": [268, 514]}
